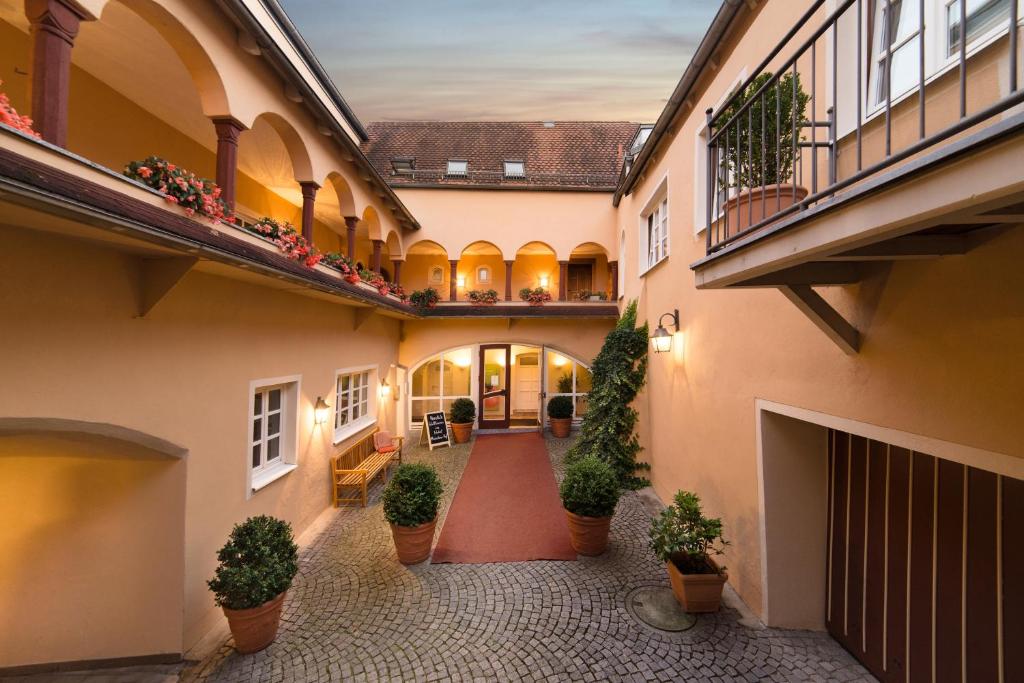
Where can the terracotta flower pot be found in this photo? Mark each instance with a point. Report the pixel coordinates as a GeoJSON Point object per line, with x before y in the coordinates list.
{"type": "Point", "coordinates": [589, 535]}
{"type": "Point", "coordinates": [697, 592]}
{"type": "Point", "coordinates": [462, 431]}
{"type": "Point", "coordinates": [413, 542]}
{"type": "Point", "coordinates": [750, 207]}
{"type": "Point", "coordinates": [254, 629]}
{"type": "Point", "coordinates": [560, 426]}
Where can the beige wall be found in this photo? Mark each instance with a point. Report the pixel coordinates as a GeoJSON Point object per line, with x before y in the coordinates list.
{"type": "Point", "coordinates": [938, 340]}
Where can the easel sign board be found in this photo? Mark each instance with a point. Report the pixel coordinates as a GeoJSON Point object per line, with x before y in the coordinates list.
{"type": "Point", "coordinates": [435, 430]}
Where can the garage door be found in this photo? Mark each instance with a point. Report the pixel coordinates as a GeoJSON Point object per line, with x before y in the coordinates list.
{"type": "Point", "coordinates": [925, 564]}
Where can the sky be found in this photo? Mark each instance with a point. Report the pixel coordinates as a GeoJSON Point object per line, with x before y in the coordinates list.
{"type": "Point", "coordinates": [479, 60]}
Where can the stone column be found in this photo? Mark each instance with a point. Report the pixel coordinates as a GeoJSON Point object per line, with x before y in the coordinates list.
{"type": "Point", "coordinates": [53, 26]}
{"type": "Point", "coordinates": [375, 261]}
{"type": "Point", "coordinates": [613, 271]}
{"type": "Point", "coordinates": [563, 279]}
{"type": "Point", "coordinates": [309, 189]}
{"type": "Point", "coordinates": [453, 285]}
{"type": "Point", "coordinates": [508, 280]}
{"type": "Point", "coordinates": [228, 129]}
{"type": "Point", "coordinates": [350, 230]}
{"type": "Point", "coordinates": [396, 265]}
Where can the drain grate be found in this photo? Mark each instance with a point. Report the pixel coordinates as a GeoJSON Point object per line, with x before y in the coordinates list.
{"type": "Point", "coordinates": [656, 607]}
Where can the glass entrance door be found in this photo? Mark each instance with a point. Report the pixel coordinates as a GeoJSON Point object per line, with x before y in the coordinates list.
{"type": "Point", "coordinates": [495, 370]}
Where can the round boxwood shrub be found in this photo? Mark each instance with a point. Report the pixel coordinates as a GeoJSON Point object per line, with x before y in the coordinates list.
{"type": "Point", "coordinates": [463, 410]}
{"type": "Point", "coordinates": [412, 496]}
{"type": "Point", "coordinates": [257, 563]}
{"type": "Point", "coordinates": [590, 488]}
{"type": "Point", "coordinates": [560, 407]}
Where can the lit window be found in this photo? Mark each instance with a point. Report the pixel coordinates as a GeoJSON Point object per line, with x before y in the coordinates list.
{"type": "Point", "coordinates": [271, 431]}
{"type": "Point", "coordinates": [515, 169]}
{"type": "Point", "coordinates": [403, 165]}
{"type": "Point", "coordinates": [458, 168]}
{"type": "Point", "coordinates": [439, 381]}
{"type": "Point", "coordinates": [354, 404]}
{"type": "Point", "coordinates": [483, 275]}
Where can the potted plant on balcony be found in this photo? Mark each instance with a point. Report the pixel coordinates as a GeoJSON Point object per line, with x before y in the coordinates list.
{"type": "Point", "coordinates": [590, 492]}
{"type": "Point", "coordinates": [463, 416]}
{"type": "Point", "coordinates": [589, 295]}
{"type": "Point", "coordinates": [482, 297]}
{"type": "Point", "coordinates": [181, 187]}
{"type": "Point", "coordinates": [560, 416]}
{"type": "Point", "coordinates": [257, 565]}
{"type": "Point", "coordinates": [424, 298]}
{"type": "Point", "coordinates": [410, 506]}
{"type": "Point", "coordinates": [760, 157]}
{"type": "Point", "coordinates": [535, 297]}
{"type": "Point", "coordinates": [684, 539]}
{"type": "Point", "coordinates": [10, 117]}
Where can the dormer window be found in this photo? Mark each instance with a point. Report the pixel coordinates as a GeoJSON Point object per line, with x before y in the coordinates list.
{"type": "Point", "coordinates": [515, 169]}
{"type": "Point", "coordinates": [403, 165]}
{"type": "Point", "coordinates": [457, 168]}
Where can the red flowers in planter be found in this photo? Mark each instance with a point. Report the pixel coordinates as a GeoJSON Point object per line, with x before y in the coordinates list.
{"type": "Point", "coordinates": [535, 297]}
{"type": "Point", "coordinates": [181, 187]}
{"type": "Point", "coordinates": [10, 117]}
{"type": "Point", "coordinates": [483, 297]}
{"type": "Point", "coordinates": [289, 240]}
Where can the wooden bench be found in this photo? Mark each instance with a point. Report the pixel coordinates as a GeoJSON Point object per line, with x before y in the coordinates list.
{"type": "Point", "coordinates": [357, 465]}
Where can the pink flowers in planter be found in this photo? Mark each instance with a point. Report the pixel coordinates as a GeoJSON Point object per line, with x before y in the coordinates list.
{"type": "Point", "coordinates": [10, 117]}
{"type": "Point", "coordinates": [535, 297]}
{"type": "Point", "coordinates": [181, 187]}
{"type": "Point", "coordinates": [289, 240]}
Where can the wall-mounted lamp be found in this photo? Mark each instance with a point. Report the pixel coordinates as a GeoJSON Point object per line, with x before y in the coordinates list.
{"type": "Point", "coordinates": [460, 280]}
{"type": "Point", "coordinates": [321, 411]}
{"type": "Point", "coordinates": [385, 389]}
{"type": "Point", "coordinates": [662, 338]}
{"type": "Point", "coordinates": [544, 281]}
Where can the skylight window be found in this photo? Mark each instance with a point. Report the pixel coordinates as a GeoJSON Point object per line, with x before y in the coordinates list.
{"type": "Point", "coordinates": [458, 168]}
{"type": "Point", "coordinates": [403, 165]}
{"type": "Point", "coordinates": [515, 169]}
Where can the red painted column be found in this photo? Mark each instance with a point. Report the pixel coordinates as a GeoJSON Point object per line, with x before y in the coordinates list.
{"type": "Point", "coordinates": [228, 129]}
{"type": "Point", "coordinates": [53, 26]}
{"type": "Point", "coordinates": [453, 285]}
{"type": "Point", "coordinates": [396, 265]}
{"type": "Point", "coordinates": [350, 230]}
{"type": "Point", "coordinates": [375, 262]}
{"type": "Point", "coordinates": [563, 279]}
{"type": "Point", "coordinates": [508, 280]}
{"type": "Point", "coordinates": [309, 189]}
{"type": "Point", "coordinates": [613, 271]}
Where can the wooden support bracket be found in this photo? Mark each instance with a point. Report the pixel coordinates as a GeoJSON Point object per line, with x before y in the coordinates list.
{"type": "Point", "coordinates": [824, 316]}
{"type": "Point", "coordinates": [158, 276]}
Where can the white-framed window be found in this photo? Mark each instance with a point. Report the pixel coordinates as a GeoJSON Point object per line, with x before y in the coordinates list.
{"type": "Point", "coordinates": [622, 265]}
{"type": "Point", "coordinates": [355, 400]}
{"type": "Point", "coordinates": [272, 429]}
{"type": "Point", "coordinates": [436, 275]}
{"type": "Point", "coordinates": [457, 168]}
{"type": "Point", "coordinates": [654, 229]}
{"type": "Point", "coordinates": [700, 168]}
{"type": "Point", "coordinates": [567, 377]}
{"type": "Point", "coordinates": [515, 169]}
{"type": "Point", "coordinates": [483, 275]}
{"type": "Point", "coordinates": [439, 380]}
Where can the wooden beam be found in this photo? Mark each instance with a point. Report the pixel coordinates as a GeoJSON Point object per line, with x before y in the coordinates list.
{"type": "Point", "coordinates": [907, 248]}
{"type": "Point", "coordinates": [824, 316]}
{"type": "Point", "coordinates": [361, 315]}
{"type": "Point", "coordinates": [158, 276]}
{"type": "Point", "coordinates": [813, 273]}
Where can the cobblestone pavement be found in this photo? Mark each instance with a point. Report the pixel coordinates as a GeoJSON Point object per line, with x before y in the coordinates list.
{"type": "Point", "coordinates": [355, 613]}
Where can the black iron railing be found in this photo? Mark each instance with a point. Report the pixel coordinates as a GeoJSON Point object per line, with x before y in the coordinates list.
{"type": "Point", "coordinates": [773, 148]}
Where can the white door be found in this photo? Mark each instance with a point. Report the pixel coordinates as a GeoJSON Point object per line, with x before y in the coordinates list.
{"type": "Point", "coordinates": [527, 387]}
{"type": "Point", "coordinates": [401, 417]}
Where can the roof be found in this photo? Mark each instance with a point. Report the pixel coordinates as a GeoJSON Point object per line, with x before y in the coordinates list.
{"type": "Point", "coordinates": [561, 155]}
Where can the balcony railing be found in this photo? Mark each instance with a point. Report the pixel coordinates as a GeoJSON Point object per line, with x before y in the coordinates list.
{"type": "Point", "coordinates": [774, 147]}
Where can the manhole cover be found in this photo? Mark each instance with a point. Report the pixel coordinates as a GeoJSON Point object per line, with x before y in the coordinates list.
{"type": "Point", "coordinates": [657, 607]}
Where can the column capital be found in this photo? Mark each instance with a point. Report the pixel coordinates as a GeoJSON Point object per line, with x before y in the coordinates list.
{"type": "Point", "coordinates": [61, 18]}
{"type": "Point", "coordinates": [228, 128]}
{"type": "Point", "coordinates": [350, 222]}
{"type": "Point", "coordinates": [563, 263]}
{"type": "Point", "coordinates": [509, 262]}
{"type": "Point", "coordinates": [309, 188]}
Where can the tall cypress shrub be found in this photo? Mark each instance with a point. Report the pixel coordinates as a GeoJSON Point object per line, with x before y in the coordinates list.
{"type": "Point", "coordinates": [618, 372]}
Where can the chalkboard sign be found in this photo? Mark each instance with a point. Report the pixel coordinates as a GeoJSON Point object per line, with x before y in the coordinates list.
{"type": "Point", "coordinates": [435, 430]}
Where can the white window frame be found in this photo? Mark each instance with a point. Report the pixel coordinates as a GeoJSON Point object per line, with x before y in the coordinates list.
{"type": "Point", "coordinates": [656, 207]}
{"type": "Point", "coordinates": [575, 393]}
{"type": "Point", "coordinates": [266, 473]}
{"type": "Point", "coordinates": [484, 280]}
{"type": "Point", "coordinates": [700, 166]}
{"type": "Point", "coordinates": [441, 397]}
{"type": "Point", "coordinates": [368, 380]}
{"type": "Point", "coordinates": [464, 173]}
{"type": "Point", "coordinates": [622, 264]}
{"type": "Point", "coordinates": [514, 176]}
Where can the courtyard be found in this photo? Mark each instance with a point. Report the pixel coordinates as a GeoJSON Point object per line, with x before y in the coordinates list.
{"type": "Point", "coordinates": [355, 613]}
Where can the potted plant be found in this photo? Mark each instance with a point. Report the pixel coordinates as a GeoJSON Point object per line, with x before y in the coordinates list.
{"type": "Point", "coordinates": [560, 416]}
{"type": "Point", "coordinates": [424, 298]}
{"type": "Point", "coordinates": [483, 297]}
{"type": "Point", "coordinates": [257, 565]}
{"type": "Point", "coordinates": [590, 491]}
{"type": "Point", "coordinates": [410, 506]}
{"type": "Point", "coordinates": [759, 158]}
{"type": "Point", "coordinates": [463, 416]}
{"type": "Point", "coordinates": [684, 539]}
{"type": "Point", "coordinates": [181, 187]}
{"type": "Point", "coordinates": [535, 297]}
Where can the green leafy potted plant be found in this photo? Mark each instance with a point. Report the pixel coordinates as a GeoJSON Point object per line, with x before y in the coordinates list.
{"type": "Point", "coordinates": [424, 298]}
{"type": "Point", "coordinates": [463, 415]}
{"type": "Point", "coordinates": [760, 156]}
{"type": "Point", "coordinates": [534, 297]}
{"type": "Point", "coordinates": [560, 416]}
{"type": "Point", "coordinates": [483, 297]}
{"type": "Point", "coordinates": [410, 506]}
{"type": "Point", "coordinates": [590, 295]}
{"type": "Point", "coordinates": [590, 492]}
{"type": "Point", "coordinates": [257, 565]}
{"type": "Point", "coordinates": [684, 539]}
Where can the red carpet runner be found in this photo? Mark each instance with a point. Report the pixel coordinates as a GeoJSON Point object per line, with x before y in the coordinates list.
{"type": "Point", "coordinates": [506, 508]}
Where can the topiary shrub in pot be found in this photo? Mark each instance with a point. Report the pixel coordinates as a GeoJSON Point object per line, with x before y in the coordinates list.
{"type": "Point", "coordinates": [684, 539]}
{"type": "Point", "coordinates": [590, 492]}
{"type": "Point", "coordinates": [410, 506]}
{"type": "Point", "coordinates": [257, 566]}
{"type": "Point", "coordinates": [463, 416]}
{"type": "Point", "coordinates": [560, 416]}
